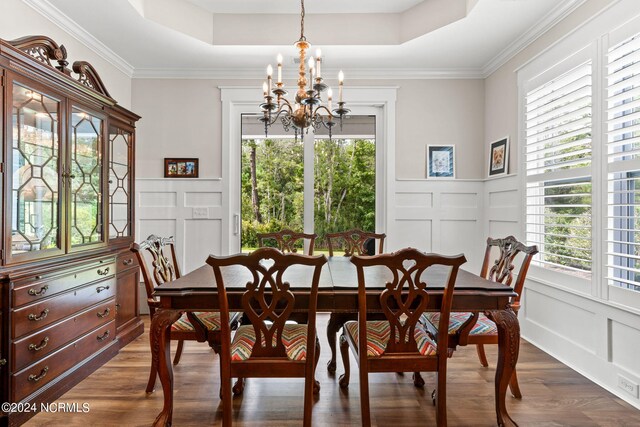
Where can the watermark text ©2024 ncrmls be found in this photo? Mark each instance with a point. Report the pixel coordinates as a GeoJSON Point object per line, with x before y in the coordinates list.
{"type": "Point", "coordinates": [68, 408]}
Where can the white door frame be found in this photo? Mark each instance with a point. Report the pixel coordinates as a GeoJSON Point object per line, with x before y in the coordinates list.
{"type": "Point", "coordinates": [380, 101]}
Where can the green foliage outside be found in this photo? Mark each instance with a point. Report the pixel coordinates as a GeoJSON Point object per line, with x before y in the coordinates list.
{"type": "Point", "coordinates": [344, 187]}
{"type": "Point", "coordinates": [568, 209]}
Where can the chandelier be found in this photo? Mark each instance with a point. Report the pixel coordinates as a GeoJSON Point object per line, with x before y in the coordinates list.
{"type": "Point", "coordinates": [308, 109]}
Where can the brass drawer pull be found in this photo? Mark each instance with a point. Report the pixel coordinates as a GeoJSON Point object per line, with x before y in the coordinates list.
{"type": "Point", "coordinates": [42, 315]}
{"type": "Point", "coordinates": [105, 313]}
{"type": "Point", "coordinates": [43, 290]}
{"type": "Point", "coordinates": [3, 362]}
{"type": "Point", "coordinates": [38, 347]}
{"type": "Point", "coordinates": [102, 288]}
{"type": "Point", "coordinates": [127, 261]}
{"type": "Point", "coordinates": [103, 336]}
{"type": "Point", "coordinates": [103, 272]}
{"type": "Point", "coordinates": [41, 375]}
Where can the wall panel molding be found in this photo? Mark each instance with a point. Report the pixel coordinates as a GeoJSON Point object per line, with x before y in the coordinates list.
{"type": "Point", "coordinates": [188, 209]}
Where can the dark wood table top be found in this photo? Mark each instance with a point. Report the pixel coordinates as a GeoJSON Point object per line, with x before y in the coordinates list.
{"type": "Point", "coordinates": [338, 287]}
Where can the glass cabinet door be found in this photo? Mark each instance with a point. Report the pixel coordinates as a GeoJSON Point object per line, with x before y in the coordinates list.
{"type": "Point", "coordinates": [119, 182]}
{"type": "Point", "coordinates": [35, 216]}
{"type": "Point", "coordinates": [85, 177]}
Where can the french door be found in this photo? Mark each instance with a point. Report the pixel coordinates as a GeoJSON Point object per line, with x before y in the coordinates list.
{"type": "Point", "coordinates": [310, 182]}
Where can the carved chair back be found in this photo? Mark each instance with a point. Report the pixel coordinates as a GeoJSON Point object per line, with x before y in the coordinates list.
{"type": "Point", "coordinates": [502, 268]}
{"type": "Point", "coordinates": [157, 258]}
{"type": "Point", "coordinates": [268, 300]}
{"type": "Point", "coordinates": [354, 242]}
{"type": "Point", "coordinates": [406, 296]}
{"type": "Point", "coordinates": [286, 240]}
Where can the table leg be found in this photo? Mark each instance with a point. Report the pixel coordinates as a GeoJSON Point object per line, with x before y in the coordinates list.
{"type": "Point", "coordinates": [508, 348]}
{"type": "Point", "coordinates": [336, 321]}
{"type": "Point", "coordinates": [160, 338]}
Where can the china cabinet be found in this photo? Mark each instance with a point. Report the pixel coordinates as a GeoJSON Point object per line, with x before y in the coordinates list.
{"type": "Point", "coordinates": [69, 285]}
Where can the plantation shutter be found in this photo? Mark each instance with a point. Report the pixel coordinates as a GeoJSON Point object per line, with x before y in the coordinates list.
{"type": "Point", "coordinates": [623, 165]}
{"type": "Point", "coordinates": [558, 168]}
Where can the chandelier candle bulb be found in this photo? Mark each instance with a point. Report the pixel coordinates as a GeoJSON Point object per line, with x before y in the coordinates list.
{"type": "Point", "coordinates": [318, 62]}
{"type": "Point", "coordinates": [329, 97]}
{"type": "Point", "coordinates": [340, 82]}
{"type": "Point", "coordinates": [279, 59]}
{"type": "Point", "coordinates": [269, 74]}
{"type": "Point", "coordinates": [311, 68]}
{"type": "Point", "coordinates": [265, 88]}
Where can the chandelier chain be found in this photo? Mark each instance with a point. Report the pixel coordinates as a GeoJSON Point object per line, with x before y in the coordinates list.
{"type": "Point", "coordinates": [302, 37]}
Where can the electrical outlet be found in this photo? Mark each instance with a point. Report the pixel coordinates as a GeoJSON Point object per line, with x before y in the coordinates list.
{"type": "Point", "coordinates": [200, 213]}
{"type": "Point", "coordinates": [628, 386]}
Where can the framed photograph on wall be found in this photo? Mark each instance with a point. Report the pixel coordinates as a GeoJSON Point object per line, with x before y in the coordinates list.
{"type": "Point", "coordinates": [499, 157]}
{"type": "Point", "coordinates": [180, 168]}
{"type": "Point", "coordinates": [441, 161]}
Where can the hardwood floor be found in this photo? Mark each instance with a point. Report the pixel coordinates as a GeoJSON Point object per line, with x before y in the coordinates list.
{"type": "Point", "coordinates": [554, 395]}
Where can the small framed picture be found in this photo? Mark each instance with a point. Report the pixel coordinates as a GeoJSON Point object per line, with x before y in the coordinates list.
{"type": "Point", "coordinates": [499, 157]}
{"type": "Point", "coordinates": [180, 168]}
{"type": "Point", "coordinates": [441, 161]}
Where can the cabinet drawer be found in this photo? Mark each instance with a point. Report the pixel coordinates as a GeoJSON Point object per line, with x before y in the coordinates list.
{"type": "Point", "coordinates": [35, 316]}
{"type": "Point", "coordinates": [35, 376]}
{"type": "Point", "coordinates": [125, 261]}
{"type": "Point", "coordinates": [30, 290]}
{"type": "Point", "coordinates": [34, 347]}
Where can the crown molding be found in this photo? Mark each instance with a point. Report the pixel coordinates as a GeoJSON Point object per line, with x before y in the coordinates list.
{"type": "Point", "coordinates": [353, 74]}
{"type": "Point", "coordinates": [518, 45]}
{"type": "Point", "coordinates": [49, 11]}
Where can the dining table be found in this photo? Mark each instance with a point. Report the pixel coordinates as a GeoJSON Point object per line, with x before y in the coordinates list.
{"type": "Point", "coordinates": [337, 294]}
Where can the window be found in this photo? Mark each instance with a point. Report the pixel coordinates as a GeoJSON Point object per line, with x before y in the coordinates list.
{"type": "Point", "coordinates": [558, 113]}
{"type": "Point", "coordinates": [623, 164]}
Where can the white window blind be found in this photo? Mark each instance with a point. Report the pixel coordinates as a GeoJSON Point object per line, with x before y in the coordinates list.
{"type": "Point", "coordinates": [558, 167]}
{"type": "Point", "coordinates": [623, 150]}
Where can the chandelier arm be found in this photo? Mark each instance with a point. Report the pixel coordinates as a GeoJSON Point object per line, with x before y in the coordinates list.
{"type": "Point", "coordinates": [284, 109]}
{"type": "Point", "coordinates": [322, 107]}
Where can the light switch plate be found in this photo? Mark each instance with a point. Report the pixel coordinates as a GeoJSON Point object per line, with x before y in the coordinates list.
{"type": "Point", "coordinates": [200, 213]}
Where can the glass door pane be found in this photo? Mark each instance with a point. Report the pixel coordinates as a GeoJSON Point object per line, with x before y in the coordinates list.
{"type": "Point", "coordinates": [345, 178]}
{"type": "Point", "coordinates": [272, 182]}
{"type": "Point", "coordinates": [34, 193]}
{"type": "Point", "coordinates": [119, 183]}
{"type": "Point", "coordinates": [86, 178]}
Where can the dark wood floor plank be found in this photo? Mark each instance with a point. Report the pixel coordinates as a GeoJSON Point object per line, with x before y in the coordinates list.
{"type": "Point", "coordinates": [554, 395]}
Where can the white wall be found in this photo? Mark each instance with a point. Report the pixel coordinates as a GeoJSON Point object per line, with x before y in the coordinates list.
{"type": "Point", "coordinates": [19, 20]}
{"type": "Point", "coordinates": [598, 338]}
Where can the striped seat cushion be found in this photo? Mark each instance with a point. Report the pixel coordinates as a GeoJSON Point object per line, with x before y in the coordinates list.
{"type": "Point", "coordinates": [378, 332]}
{"type": "Point", "coordinates": [294, 338]}
{"type": "Point", "coordinates": [209, 319]}
{"type": "Point", "coordinates": [483, 326]}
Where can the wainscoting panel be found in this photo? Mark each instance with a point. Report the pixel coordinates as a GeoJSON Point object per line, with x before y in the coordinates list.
{"type": "Point", "coordinates": [567, 321]}
{"type": "Point", "coordinates": [414, 233]}
{"type": "Point", "coordinates": [502, 213]}
{"type": "Point", "coordinates": [443, 216]}
{"type": "Point", "coordinates": [201, 230]}
{"type": "Point", "coordinates": [625, 347]}
{"type": "Point", "coordinates": [188, 209]}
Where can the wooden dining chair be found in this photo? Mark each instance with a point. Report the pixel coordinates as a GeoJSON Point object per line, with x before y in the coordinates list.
{"type": "Point", "coordinates": [476, 328]}
{"type": "Point", "coordinates": [398, 343]}
{"type": "Point", "coordinates": [286, 240]}
{"type": "Point", "coordinates": [269, 346]}
{"type": "Point", "coordinates": [354, 242]}
{"type": "Point", "coordinates": [157, 259]}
